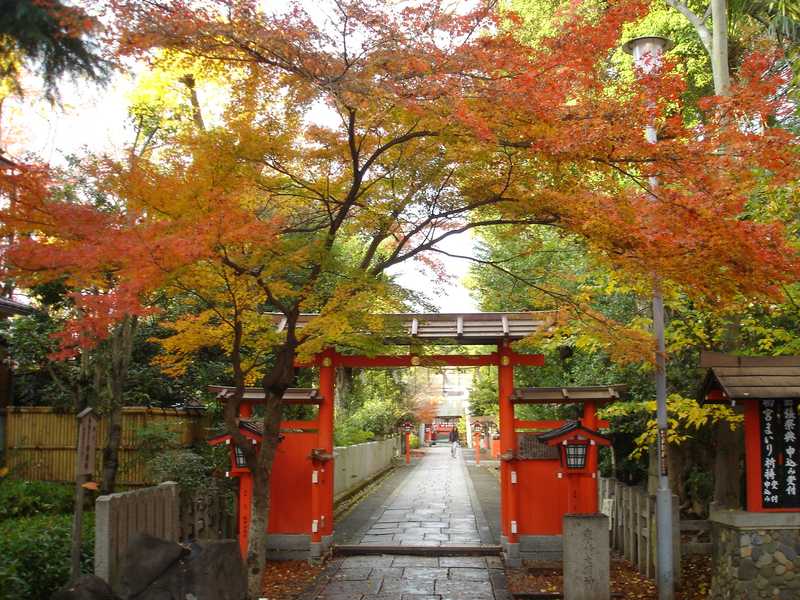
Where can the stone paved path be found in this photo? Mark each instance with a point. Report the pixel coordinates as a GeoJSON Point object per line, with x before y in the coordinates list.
{"type": "Point", "coordinates": [432, 507]}
{"type": "Point", "coordinates": [435, 505]}
{"type": "Point", "coordinates": [416, 578]}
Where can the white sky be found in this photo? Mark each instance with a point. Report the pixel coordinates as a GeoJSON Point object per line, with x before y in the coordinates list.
{"type": "Point", "coordinates": [95, 120]}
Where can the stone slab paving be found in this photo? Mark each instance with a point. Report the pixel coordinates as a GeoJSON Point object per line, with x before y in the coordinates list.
{"type": "Point", "coordinates": [431, 507]}
{"type": "Point", "coordinates": [433, 504]}
{"type": "Point", "coordinates": [416, 578]}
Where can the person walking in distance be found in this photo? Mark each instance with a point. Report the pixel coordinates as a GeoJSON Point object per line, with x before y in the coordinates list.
{"type": "Point", "coordinates": [453, 441]}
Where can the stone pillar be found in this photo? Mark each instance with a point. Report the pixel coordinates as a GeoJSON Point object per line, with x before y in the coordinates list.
{"type": "Point", "coordinates": [587, 559]}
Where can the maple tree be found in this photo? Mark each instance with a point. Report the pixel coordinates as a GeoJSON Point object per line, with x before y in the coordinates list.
{"type": "Point", "coordinates": [350, 144]}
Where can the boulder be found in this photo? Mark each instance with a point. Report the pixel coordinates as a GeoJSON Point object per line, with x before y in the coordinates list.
{"type": "Point", "coordinates": [146, 559]}
{"type": "Point", "coordinates": [87, 587]}
{"type": "Point", "coordinates": [208, 570]}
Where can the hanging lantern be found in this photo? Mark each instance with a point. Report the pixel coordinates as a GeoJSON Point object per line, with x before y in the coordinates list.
{"type": "Point", "coordinates": [573, 453]}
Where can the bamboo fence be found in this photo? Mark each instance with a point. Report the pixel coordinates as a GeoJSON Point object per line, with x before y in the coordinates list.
{"type": "Point", "coordinates": [40, 443]}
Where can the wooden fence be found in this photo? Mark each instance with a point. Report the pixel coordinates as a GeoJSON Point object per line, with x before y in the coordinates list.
{"type": "Point", "coordinates": [159, 511]}
{"type": "Point", "coordinates": [633, 527]}
{"type": "Point", "coordinates": [40, 442]}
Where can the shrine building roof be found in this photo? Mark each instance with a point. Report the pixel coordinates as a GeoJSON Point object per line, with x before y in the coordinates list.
{"type": "Point", "coordinates": [567, 395]}
{"type": "Point", "coordinates": [10, 307]}
{"type": "Point", "coordinates": [743, 377]}
{"type": "Point", "coordinates": [457, 328]}
{"type": "Point", "coordinates": [255, 395]}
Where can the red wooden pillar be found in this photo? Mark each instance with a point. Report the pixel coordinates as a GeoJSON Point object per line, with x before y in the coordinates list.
{"type": "Point", "coordinates": [245, 410]}
{"type": "Point", "coordinates": [589, 484]}
{"type": "Point", "coordinates": [245, 500]}
{"type": "Point", "coordinates": [752, 456]}
{"type": "Point", "coordinates": [508, 444]}
{"type": "Point", "coordinates": [573, 488]}
{"type": "Point", "coordinates": [324, 487]}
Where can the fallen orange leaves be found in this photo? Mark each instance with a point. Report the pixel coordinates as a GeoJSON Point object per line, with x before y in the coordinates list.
{"type": "Point", "coordinates": [287, 579]}
{"type": "Point", "coordinates": [625, 580]}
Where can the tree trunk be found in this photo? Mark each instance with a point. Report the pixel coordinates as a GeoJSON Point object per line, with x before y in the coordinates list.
{"type": "Point", "coordinates": [719, 47]}
{"type": "Point", "coordinates": [276, 382]}
{"type": "Point", "coordinates": [121, 348]}
{"type": "Point", "coordinates": [111, 451]}
{"type": "Point", "coordinates": [727, 460]}
{"type": "Point", "coordinates": [257, 546]}
{"type": "Point", "coordinates": [676, 458]}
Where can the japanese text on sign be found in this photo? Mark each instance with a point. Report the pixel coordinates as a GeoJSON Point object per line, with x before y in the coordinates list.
{"type": "Point", "coordinates": [779, 454]}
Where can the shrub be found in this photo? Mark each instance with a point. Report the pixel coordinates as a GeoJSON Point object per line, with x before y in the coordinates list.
{"type": "Point", "coordinates": [19, 498]}
{"type": "Point", "coordinates": [35, 555]}
{"type": "Point", "coordinates": [347, 433]}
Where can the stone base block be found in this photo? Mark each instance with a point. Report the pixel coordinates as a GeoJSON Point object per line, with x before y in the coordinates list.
{"type": "Point", "coordinates": [540, 547]}
{"type": "Point", "coordinates": [288, 546]}
{"type": "Point", "coordinates": [320, 549]}
{"type": "Point", "coordinates": [755, 555]}
{"type": "Point", "coordinates": [511, 555]}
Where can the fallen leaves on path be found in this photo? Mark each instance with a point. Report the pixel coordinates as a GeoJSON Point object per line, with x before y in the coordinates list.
{"type": "Point", "coordinates": [538, 577]}
{"type": "Point", "coordinates": [287, 579]}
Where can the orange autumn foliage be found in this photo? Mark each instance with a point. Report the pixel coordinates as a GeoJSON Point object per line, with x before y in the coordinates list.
{"type": "Point", "coordinates": [357, 140]}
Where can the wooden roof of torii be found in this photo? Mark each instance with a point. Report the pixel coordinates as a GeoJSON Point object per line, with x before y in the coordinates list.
{"type": "Point", "coordinates": [458, 328]}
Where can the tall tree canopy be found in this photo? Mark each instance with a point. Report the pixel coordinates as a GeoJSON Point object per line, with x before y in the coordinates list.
{"type": "Point", "coordinates": [53, 37]}
{"type": "Point", "coordinates": [357, 140]}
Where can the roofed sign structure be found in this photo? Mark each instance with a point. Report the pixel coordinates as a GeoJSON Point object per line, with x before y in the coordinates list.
{"type": "Point", "coordinates": [742, 377]}
{"type": "Point", "coordinates": [769, 389]}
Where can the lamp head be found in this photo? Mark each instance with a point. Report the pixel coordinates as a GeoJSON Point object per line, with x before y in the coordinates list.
{"type": "Point", "coordinates": [647, 51]}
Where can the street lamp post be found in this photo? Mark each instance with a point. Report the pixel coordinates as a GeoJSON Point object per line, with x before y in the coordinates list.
{"type": "Point", "coordinates": [647, 53]}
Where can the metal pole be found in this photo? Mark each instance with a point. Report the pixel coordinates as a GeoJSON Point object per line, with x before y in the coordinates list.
{"type": "Point", "coordinates": [665, 560]}
{"type": "Point", "coordinates": [664, 557]}
{"type": "Point", "coordinates": [647, 52]}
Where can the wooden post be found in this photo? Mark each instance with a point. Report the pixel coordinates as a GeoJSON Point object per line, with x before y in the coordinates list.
{"type": "Point", "coordinates": [84, 469]}
{"type": "Point", "coordinates": [327, 388]}
{"type": "Point", "coordinates": [508, 444]}
{"type": "Point", "coordinates": [408, 447]}
{"type": "Point", "coordinates": [573, 484]}
{"type": "Point", "coordinates": [477, 444]}
{"type": "Point", "coordinates": [752, 456]}
{"type": "Point", "coordinates": [245, 500]}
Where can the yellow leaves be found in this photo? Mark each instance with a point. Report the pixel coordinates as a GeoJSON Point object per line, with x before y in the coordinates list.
{"type": "Point", "coordinates": [192, 333]}
{"type": "Point", "coordinates": [685, 417]}
{"type": "Point", "coordinates": [349, 317]}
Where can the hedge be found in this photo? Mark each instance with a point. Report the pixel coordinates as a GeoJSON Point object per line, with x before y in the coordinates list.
{"type": "Point", "coordinates": [35, 555]}
{"type": "Point", "coordinates": [19, 498]}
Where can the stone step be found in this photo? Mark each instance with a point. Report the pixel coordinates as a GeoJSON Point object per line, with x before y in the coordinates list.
{"type": "Point", "coordinates": [362, 550]}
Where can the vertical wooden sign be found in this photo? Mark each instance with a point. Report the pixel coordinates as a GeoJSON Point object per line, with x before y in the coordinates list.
{"type": "Point", "coordinates": [87, 442]}
{"type": "Point", "coordinates": [84, 469]}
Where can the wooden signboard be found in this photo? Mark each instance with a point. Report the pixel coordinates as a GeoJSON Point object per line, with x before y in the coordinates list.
{"type": "Point", "coordinates": [780, 453]}
{"type": "Point", "coordinates": [87, 442]}
{"type": "Point", "coordinates": [84, 469]}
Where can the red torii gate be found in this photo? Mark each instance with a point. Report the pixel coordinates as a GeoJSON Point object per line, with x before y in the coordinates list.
{"type": "Point", "coordinates": [308, 454]}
